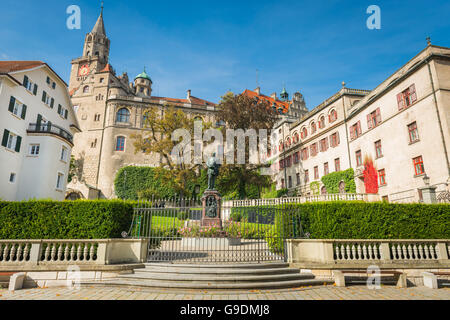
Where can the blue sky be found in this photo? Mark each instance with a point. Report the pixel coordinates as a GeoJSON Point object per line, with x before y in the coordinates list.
{"type": "Point", "coordinates": [211, 47]}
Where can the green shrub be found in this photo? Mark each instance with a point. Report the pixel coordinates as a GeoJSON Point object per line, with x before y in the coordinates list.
{"type": "Point", "coordinates": [360, 220]}
{"type": "Point", "coordinates": [81, 219]}
{"type": "Point", "coordinates": [331, 181]}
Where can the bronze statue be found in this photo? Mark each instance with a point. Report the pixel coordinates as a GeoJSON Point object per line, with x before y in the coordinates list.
{"type": "Point", "coordinates": [213, 171]}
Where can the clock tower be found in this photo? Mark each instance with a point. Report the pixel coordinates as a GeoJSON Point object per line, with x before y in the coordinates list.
{"type": "Point", "coordinates": [95, 55]}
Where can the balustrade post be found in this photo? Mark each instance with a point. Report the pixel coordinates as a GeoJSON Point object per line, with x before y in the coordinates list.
{"type": "Point", "coordinates": [35, 252]}
{"type": "Point", "coordinates": [102, 253]}
{"type": "Point", "coordinates": [441, 250]}
{"type": "Point", "coordinates": [385, 251]}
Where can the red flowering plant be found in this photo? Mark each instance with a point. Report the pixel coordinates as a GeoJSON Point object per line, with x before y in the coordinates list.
{"type": "Point", "coordinates": [197, 231]}
{"type": "Point", "coordinates": [370, 176]}
{"type": "Point", "coordinates": [232, 229]}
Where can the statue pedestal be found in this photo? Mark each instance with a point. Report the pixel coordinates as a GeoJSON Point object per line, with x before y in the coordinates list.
{"type": "Point", "coordinates": [211, 202]}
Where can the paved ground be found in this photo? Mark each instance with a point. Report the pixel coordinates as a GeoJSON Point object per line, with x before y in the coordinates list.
{"type": "Point", "coordinates": [329, 292]}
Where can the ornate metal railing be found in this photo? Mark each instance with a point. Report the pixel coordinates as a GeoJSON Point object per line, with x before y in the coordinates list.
{"type": "Point", "coordinates": [50, 128]}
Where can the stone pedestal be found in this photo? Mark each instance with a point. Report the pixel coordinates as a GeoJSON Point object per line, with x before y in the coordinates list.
{"type": "Point", "coordinates": [429, 194]}
{"type": "Point", "coordinates": [211, 202]}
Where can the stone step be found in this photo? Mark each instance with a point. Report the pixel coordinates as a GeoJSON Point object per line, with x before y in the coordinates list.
{"type": "Point", "coordinates": [218, 271]}
{"type": "Point", "coordinates": [198, 278]}
{"type": "Point", "coordinates": [4, 284]}
{"type": "Point", "coordinates": [208, 285]}
{"type": "Point", "coordinates": [267, 265]}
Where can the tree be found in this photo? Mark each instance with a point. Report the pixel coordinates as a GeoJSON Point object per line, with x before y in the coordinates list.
{"type": "Point", "coordinates": [160, 126]}
{"type": "Point", "coordinates": [243, 112]}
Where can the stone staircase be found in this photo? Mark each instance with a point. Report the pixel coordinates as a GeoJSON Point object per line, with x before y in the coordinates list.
{"type": "Point", "coordinates": [209, 276]}
{"type": "Point", "coordinates": [4, 279]}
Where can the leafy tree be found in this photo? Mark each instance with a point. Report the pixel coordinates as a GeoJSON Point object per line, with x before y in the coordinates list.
{"type": "Point", "coordinates": [243, 112]}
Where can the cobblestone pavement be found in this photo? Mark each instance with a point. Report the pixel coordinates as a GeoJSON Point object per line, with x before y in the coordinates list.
{"type": "Point", "coordinates": [328, 292]}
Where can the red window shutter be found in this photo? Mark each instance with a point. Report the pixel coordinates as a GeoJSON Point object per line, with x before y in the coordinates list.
{"type": "Point", "coordinates": [358, 128]}
{"type": "Point", "coordinates": [369, 121]}
{"type": "Point", "coordinates": [378, 115]}
{"type": "Point", "coordinates": [326, 144]}
{"type": "Point", "coordinates": [337, 139]}
{"type": "Point", "coordinates": [412, 93]}
{"type": "Point", "coordinates": [352, 132]}
{"type": "Point", "coordinates": [400, 101]}
{"type": "Point", "coordinates": [329, 118]}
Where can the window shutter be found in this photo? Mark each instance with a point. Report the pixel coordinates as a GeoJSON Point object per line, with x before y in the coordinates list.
{"type": "Point", "coordinates": [35, 89]}
{"type": "Point", "coordinates": [326, 144]}
{"type": "Point", "coordinates": [38, 122]}
{"type": "Point", "coordinates": [378, 115]}
{"type": "Point", "coordinates": [52, 103]}
{"type": "Point", "coordinates": [352, 132]}
{"type": "Point", "coordinates": [59, 109]}
{"type": "Point", "coordinates": [358, 128]}
{"type": "Point", "coordinates": [25, 81]}
{"type": "Point", "coordinates": [400, 101]}
{"type": "Point", "coordinates": [44, 95]}
{"type": "Point", "coordinates": [49, 125]}
{"type": "Point", "coordinates": [12, 101]}
{"type": "Point", "coordinates": [18, 142]}
{"type": "Point", "coordinates": [412, 92]}
{"type": "Point", "coordinates": [369, 121]}
{"type": "Point", "coordinates": [24, 111]}
{"type": "Point", "coordinates": [5, 138]}
{"type": "Point", "coordinates": [53, 85]}
{"type": "Point", "coordinates": [337, 138]}
{"type": "Point", "coordinates": [66, 113]}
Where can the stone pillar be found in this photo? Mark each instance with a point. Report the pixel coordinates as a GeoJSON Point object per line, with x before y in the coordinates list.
{"type": "Point", "coordinates": [428, 194]}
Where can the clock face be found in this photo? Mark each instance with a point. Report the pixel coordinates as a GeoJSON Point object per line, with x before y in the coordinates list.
{"type": "Point", "coordinates": [84, 70]}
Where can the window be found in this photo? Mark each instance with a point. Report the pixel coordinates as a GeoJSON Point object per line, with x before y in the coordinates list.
{"type": "Point", "coordinates": [63, 154]}
{"type": "Point", "coordinates": [374, 119]}
{"type": "Point", "coordinates": [326, 170]}
{"type": "Point", "coordinates": [290, 181]}
{"type": "Point", "coordinates": [62, 111]}
{"type": "Point", "coordinates": [313, 127]}
{"type": "Point", "coordinates": [407, 97]}
{"type": "Point", "coordinates": [281, 146]}
{"type": "Point", "coordinates": [296, 157]}
{"type": "Point", "coordinates": [382, 177]}
{"type": "Point", "coordinates": [287, 162]}
{"type": "Point", "coordinates": [59, 181]}
{"type": "Point", "coordinates": [49, 101]}
{"type": "Point", "coordinates": [97, 117]}
{"type": "Point", "coordinates": [282, 183]}
{"type": "Point", "coordinates": [120, 144]}
{"type": "Point", "coordinates": [378, 151]}
{"type": "Point", "coordinates": [48, 80]}
{"type": "Point", "coordinates": [313, 148]}
{"type": "Point", "coordinates": [296, 137]}
{"type": "Point", "coordinates": [304, 133]}
{"type": "Point", "coordinates": [358, 158]}
{"type": "Point", "coordinates": [413, 132]}
{"type": "Point", "coordinates": [304, 153]}
{"type": "Point", "coordinates": [298, 178]}
{"type": "Point", "coordinates": [102, 79]}
{"type": "Point", "coordinates": [316, 173]}
{"type": "Point", "coordinates": [418, 166]}
{"type": "Point", "coordinates": [12, 177]}
{"type": "Point", "coordinates": [29, 85]}
{"type": "Point", "coordinates": [123, 115]}
{"type": "Point", "coordinates": [306, 176]}
{"type": "Point", "coordinates": [86, 89]}
{"type": "Point", "coordinates": [334, 139]}
{"type": "Point", "coordinates": [34, 149]}
{"type": "Point", "coordinates": [355, 130]}
{"type": "Point", "coordinates": [11, 141]}
{"type": "Point", "coordinates": [337, 165]}
{"type": "Point", "coordinates": [94, 143]}
{"type": "Point", "coordinates": [322, 122]}
{"type": "Point", "coordinates": [332, 116]}
{"type": "Point", "coordinates": [324, 145]}
{"type": "Point", "coordinates": [17, 108]}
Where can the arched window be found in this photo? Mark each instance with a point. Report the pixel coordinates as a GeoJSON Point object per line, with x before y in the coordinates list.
{"type": "Point", "coordinates": [198, 118]}
{"type": "Point", "coordinates": [288, 142]}
{"type": "Point", "coordinates": [296, 137]}
{"type": "Point", "coordinates": [304, 133]}
{"type": "Point", "coordinates": [281, 146]}
{"type": "Point", "coordinates": [323, 190]}
{"type": "Point", "coordinates": [123, 115]}
{"type": "Point", "coordinates": [313, 127]}
{"type": "Point", "coordinates": [332, 116]}
{"type": "Point", "coordinates": [120, 143]}
{"type": "Point", "coordinates": [85, 89]}
{"type": "Point", "coordinates": [322, 122]}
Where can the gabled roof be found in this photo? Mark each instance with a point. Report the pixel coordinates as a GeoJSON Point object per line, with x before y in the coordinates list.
{"type": "Point", "coordinates": [278, 103]}
{"type": "Point", "coordinates": [13, 66]}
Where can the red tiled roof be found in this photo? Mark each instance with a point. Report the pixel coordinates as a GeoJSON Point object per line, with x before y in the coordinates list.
{"type": "Point", "coordinates": [278, 103]}
{"type": "Point", "coordinates": [12, 66]}
{"type": "Point", "coordinates": [107, 68]}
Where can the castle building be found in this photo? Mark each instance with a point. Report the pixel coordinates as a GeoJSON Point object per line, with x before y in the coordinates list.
{"type": "Point", "coordinates": [110, 109]}
{"type": "Point", "coordinates": [37, 125]}
{"type": "Point", "coordinates": [402, 126]}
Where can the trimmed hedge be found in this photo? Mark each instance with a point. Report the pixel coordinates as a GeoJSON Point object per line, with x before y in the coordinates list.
{"type": "Point", "coordinates": [360, 220]}
{"type": "Point", "coordinates": [81, 219]}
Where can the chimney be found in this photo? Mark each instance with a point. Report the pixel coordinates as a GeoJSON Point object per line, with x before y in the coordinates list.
{"type": "Point", "coordinates": [189, 94]}
{"type": "Point", "coordinates": [274, 96]}
{"type": "Point", "coordinates": [258, 91]}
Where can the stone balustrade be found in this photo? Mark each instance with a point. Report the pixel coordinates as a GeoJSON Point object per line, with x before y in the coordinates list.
{"type": "Point", "coordinates": [302, 199]}
{"type": "Point", "coordinates": [69, 252]}
{"type": "Point", "coordinates": [379, 252]}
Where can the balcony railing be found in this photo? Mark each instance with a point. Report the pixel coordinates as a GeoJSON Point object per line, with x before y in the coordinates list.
{"type": "Point", "coordinates": [50, 128]}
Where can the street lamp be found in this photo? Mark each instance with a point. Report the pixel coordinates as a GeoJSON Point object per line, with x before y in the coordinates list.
{"type": "Point", "coordinates": [426, 180]}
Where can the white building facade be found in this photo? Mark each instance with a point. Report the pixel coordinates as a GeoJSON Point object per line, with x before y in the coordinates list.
{"type": "Point", "coordinates": [37, 124]}
{"type": "Point", "coordinates": [403, 126]}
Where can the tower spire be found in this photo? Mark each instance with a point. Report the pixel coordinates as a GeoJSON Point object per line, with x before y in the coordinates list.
{"type": "Point", "coordinates": [99, 27]}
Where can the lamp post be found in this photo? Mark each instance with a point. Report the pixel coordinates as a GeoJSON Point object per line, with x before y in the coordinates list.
{"type": "Point", "coordinates": [426, 180]}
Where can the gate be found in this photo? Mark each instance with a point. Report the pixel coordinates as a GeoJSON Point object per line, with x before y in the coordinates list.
{"type": "Point", "coordinates": [247, 234]}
